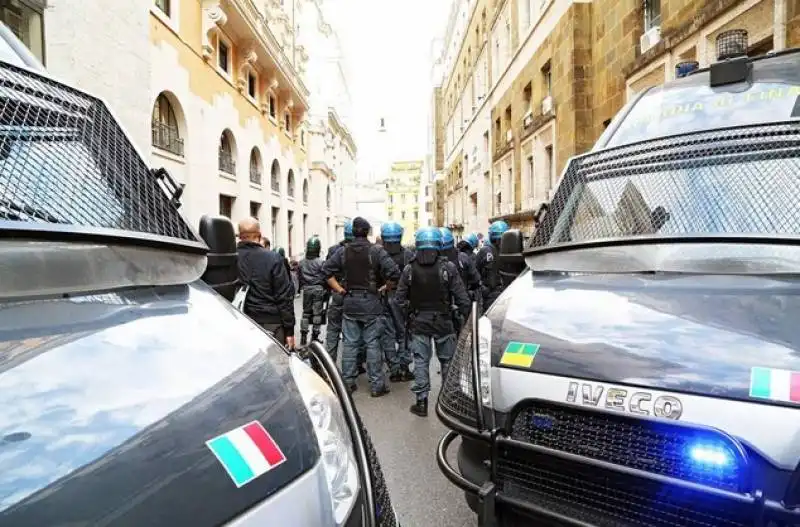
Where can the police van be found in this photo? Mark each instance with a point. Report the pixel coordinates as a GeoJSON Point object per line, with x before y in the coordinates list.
{"type": "Point", "coordinates": [131, 393]}
{"type": "Point", "coordinates": [644, 368]}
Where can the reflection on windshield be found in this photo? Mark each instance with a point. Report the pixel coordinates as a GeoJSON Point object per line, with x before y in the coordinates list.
{"type": "Point", "coordinates": [757, 197]}
{"type": "Point", "coordinates": [36, 185]}
{"type": "Point", "coordinates": [662, 112]}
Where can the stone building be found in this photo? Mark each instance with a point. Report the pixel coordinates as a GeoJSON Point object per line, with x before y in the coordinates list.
{"type": "Point", "coordinates": [212, 90]}
{"type": "Point", "coordinates": [403, 196]}
{"type": "Point", "coordinates": [530, 83]}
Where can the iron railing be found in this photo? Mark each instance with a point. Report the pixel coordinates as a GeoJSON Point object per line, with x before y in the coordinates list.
{"type": "Point", "coordinates": [226, 162]}
{"type": "Point", "coordinates": [167, 138]}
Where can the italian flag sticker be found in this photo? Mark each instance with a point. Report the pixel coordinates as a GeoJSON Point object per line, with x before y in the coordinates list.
{"type": "Point", "coordinates": [775, 385]}
{"type": "Point", "coordinates": [519, 354]}
{"type": "Point", "coordinates": [246, 452]}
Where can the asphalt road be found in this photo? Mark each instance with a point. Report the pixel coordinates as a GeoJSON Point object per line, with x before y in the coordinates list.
{"type": "Point", "coordinates": [406, 446]}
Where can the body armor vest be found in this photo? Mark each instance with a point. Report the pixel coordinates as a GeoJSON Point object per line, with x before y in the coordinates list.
{"type": "Point", "coordinates": [490, 273]}
{"type": "Point", "coordinates": [429, 289]}
{"type": "Point", "coordinates": [359, 272]}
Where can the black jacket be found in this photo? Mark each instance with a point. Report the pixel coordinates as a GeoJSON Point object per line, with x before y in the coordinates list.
{"type": "Point", "coordinates": [363, 305]}
{"type": "Point", "coordinates": [271, 296]}
{"type": "Point", "coordinates": [310, 273]}
{"type": "Point", "coordinates": [429, 323]}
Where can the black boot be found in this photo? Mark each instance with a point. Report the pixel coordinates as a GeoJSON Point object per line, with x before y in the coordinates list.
{"type": "Point", "coordinates": [420, 408]}
{"type": "Point", "coordinates": [315, 336]}
{"type": "Point", "coordinates": [380, 392]}
{"type": "Point", "coordinates": [303, 338]}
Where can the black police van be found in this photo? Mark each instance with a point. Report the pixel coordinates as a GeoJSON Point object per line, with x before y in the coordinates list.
{"type": "Point", "coordinates": [131, 393]}
{"type": "Point", "coordinates": [644, 368]}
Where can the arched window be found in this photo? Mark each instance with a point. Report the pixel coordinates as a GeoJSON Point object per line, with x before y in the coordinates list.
{"type": "Point", "coordinates": [255, 166]}
{"type": "Point", "coordinates": [305, 192]}
{"type": "Point", "coordinates": [164, 126]}
{"type": "Point", "coordinates": [227, 162]}
{"type": "Point", "coordinates": [290, 183]}
{"type": "Point", "coordinates": [275, 177]}
{"type": "Point", "coordinates": [328, 197]}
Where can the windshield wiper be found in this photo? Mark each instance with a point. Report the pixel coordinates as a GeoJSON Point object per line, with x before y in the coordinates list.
{"type": "Point", "coordinates": [13, 211]}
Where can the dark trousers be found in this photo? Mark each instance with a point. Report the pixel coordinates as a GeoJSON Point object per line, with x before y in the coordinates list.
{"type": "Point", "coordinates": [277, 331]}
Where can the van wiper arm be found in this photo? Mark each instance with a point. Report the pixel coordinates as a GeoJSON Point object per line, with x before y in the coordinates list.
{"type": "Point", "coordinates": [14, 211]}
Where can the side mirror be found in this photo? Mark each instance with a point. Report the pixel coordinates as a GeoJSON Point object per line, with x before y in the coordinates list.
{"type": "Point", "coordinates": [222, 270]}
{"type": "Point", "coordinates": [511, 263]}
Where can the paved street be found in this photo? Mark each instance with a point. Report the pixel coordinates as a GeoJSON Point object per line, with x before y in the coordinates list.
{"type": "Point", "coordinates": [407, 446]}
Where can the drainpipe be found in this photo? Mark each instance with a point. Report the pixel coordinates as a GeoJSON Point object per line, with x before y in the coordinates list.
{"type": "Point", "coordinates": [779, 23]}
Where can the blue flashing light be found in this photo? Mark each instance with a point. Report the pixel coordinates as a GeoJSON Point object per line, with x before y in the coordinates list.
{"type": "Point", "coordinates": [685, 68]}
{"type": "Point", "coordinates": [710, 456]}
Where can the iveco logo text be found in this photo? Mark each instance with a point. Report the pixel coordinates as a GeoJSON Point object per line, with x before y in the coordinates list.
{"type": "Point", "coordinates": [640, 403]}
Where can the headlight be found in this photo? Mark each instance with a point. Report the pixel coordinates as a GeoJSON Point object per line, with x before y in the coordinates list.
{"type": "Point", "coordinates": [485, 360]}
{"type": "Point", "coordinates": [335, 443]}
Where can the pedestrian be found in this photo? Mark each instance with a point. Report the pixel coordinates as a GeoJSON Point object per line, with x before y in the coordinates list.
{"type": "Point", "coordinates": [333, 331]}
{"type": "Point", "coordinates": [394, 344]}
{"type": "Point", "coordinates": [486, 262]}
{"type": "Point", "coordinates": [466, 270]}
{"type": "Point", "coordinates": [270, 297]}
{"type": "Point", "coordinates": [312, 285]}
{"type": "Point", "coordinates": [468, 246]}
{"type": "Point", "coordinates": [428, 287]}
{"type": "Point", "coordinates": [367, 270]}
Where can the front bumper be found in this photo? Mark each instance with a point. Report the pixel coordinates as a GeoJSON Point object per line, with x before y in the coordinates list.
{"type": "Point", "coordinates": [526, 484]}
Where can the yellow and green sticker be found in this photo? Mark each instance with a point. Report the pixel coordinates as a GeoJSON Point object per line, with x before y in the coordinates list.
{"type": "Point", "coordinates": [519, 354]}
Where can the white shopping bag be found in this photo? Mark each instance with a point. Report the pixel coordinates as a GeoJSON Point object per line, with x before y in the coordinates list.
{"type": "Point", "coordinates": [240, 297]}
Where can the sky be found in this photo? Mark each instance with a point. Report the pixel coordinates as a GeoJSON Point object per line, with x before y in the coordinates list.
{"type": "Point", "coordinates": [387, 48]}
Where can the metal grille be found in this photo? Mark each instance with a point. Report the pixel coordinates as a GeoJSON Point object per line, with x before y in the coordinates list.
{"type": "Point", "coordinates": [608, 499]}
{"type": "Point", "coordinates": [743, 180]}
{"type": "Point", "coordinates": [619, 439]}
{"type": "Point", "coordinates": [64, 159]}
{"type": "Point", "coordinates": [456, 397]}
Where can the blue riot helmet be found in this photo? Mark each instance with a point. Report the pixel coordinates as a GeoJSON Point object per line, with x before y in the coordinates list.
{"type": "Point", "coordinates": [391, 232]}
{"type": "Point", "coordinates": [472, 240]}
{"type": "Point", "coordinates": [348, 231]}
{"type": "Point", "coordinates": [448, 241]}
{"type": "Point", "coordinates": [496, 230]}
{"type": "Point", "coordinates": [428, 238]}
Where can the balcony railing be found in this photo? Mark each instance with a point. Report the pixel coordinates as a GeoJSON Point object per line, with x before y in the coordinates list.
{"type": "Point", "coordinates": [275, 184]}
{"type": "Point", "coordinates": [226, 163]}
{"type": "Point", "coordinates": [255, 175]}
{"type": "Point", "coordinates": [167, 138]}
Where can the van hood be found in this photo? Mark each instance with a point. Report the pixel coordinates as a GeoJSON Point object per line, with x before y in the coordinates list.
{"type": "Point", "coordinates": [107, 401]}
{"type": "Point", "coordinates": [693, 334]}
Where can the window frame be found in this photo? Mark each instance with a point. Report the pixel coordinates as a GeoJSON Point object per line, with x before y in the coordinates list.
{"type": "Point", "coordinates": [223, 41]}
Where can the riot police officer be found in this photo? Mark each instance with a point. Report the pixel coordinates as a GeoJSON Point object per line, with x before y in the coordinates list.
{"type": "Point", "coordinates": [468, 246]}
{"type": "Point", "coordinates": [466, 270]}
{"type": "Point", "coordinates": [394, 336]}
{"type": "Point", "coordinates": [334, 316]}
{"type": "Point", "coordinates": [312, 285]}
{"type": "Point", "coordinates": [366, 269]}
{"type": "Point", "coordinates": [487, 264]}
{"type": "Point", "coordinates": [428, 287]}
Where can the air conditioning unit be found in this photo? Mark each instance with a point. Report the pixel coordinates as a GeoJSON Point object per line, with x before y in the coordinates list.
{"type": "Point", "coordinates": [528, 119]}
{"type": "Point", "coordinates": [509, 136]}
{"type": "Point", "coordinates": [650, 38]}
{"type": "Point", "coordinates": [547, 105]}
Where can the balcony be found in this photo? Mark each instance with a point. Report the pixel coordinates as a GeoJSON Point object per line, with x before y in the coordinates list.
{"type": "Point", "coordinates": [166, 138]}
{"type": "Point", "coordinates": [244, 22]}
{"type": "Point", "coordinates": [227, 163]}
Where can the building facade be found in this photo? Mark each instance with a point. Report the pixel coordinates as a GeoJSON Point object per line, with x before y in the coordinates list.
{"type": "Point", "coordinates": [403, 200]}
{"type": "Point", "coordinates": [535, 82]}
{"type": "Point", "coordinates": [212, 90]}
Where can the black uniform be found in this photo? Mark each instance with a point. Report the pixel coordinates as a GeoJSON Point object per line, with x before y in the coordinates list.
{"type": "Point", "coordinates": [270, 300]}
{"type": "Point", "coordinates": [333, 331]}
{"type": "Point", "coordinates": [469, 275]}
{"type": "Point", "coordinates": [428, 292]}
{"type": "Point", "coordinates": [394, 344]}
{"type": "Point", "coordinates": [487, 265]}
{"type": "Point", "coordinates": [364, 267]}
{"type": "Point", "coordinates": [312, 284]}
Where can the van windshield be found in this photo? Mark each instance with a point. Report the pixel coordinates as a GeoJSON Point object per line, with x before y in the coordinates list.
{"type": "Point", "coordinates": [665, 111]}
